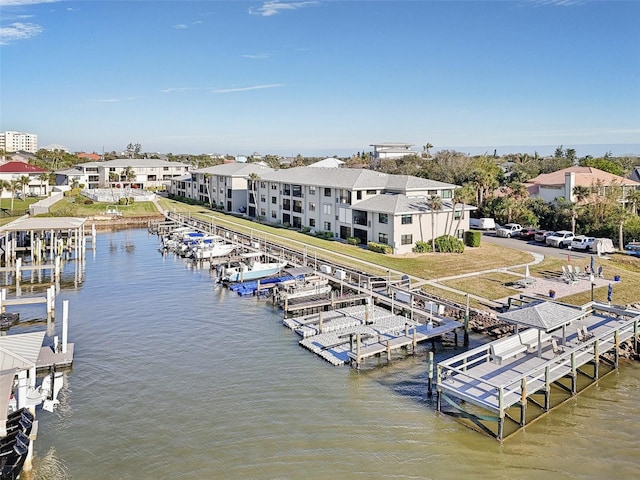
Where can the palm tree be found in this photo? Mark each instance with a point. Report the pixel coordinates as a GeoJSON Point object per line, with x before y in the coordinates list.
{"type": "Point", "coordinates": [253, 181]}
{"type": "Point", "coordinates": [129, 176]}
{"type": "Point", "coordinates": [435, 203]}
{"type": "Point", "coordinates": [633, 198]}
{"type": "Point", "coordinates": [463, 195]}
{"type": "Point", "coordinates": [13, 187]}
{"type": "Point", "coordinates": [43, 177]}
{"type": "Point", "coordinates": [426, 148]}
{"type": "Point", "coordinates": [207, 181]}
{"type": "Point", "coordinates": [24, 182]}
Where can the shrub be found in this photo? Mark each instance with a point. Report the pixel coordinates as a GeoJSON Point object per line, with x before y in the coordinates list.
{"type": "Point", "coordinates": [422, 247]}
{"type": "Point", "coordinates": [449, 244]}
{"type": "Point", "coordinates": [88, 201]}
{"type": "Point", "coordinates": [379, 247]}
{"type": "Point", "coordinates": [353, 240]}
{"type": "Point", "coordinates": [472, 238]}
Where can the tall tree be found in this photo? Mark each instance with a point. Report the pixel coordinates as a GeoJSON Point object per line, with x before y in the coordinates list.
{"type": "Point", "coordinates": [462, 196]}
{"type": "Point", "coordinates": [435, 204]}
{"type": "Point", "coordinates": [43, 177]}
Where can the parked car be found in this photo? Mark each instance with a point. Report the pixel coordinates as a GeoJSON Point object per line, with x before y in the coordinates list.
{"type": "Point", "coordinates": [541, 235]}
{"type": "Point", "coordinates": [482, 223]}
{"type": "Point", "coordinates": [582, 242]}
{"type": "Point", "coordinates": [560, 239]}
{"type": "Point", "coordinates": [632, 248]}
{"type": "Point", "coordinates": [527, 233]}
{"type": "Point", "coordinates": [509, 230]}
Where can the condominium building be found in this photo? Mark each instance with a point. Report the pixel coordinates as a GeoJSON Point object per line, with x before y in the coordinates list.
{"type": "Point", "coordinates": [397, 210]}
{"type": "Point", "coordinates": [147, 173]}
{"type": "Point", "coordinates": [18, 141]}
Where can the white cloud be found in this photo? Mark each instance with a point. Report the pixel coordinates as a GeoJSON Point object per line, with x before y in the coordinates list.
{"type": "Point", "coordinates": [15, 3]}
{"type": "Point", "coordinates": [246, 89]}
{"type": "Point", "coordinates": [19, 31]}
{"type": "Point", "coordinates": [110, 100]}
{"type": "Point", "coordinates": [273, 7]}
{"type": "Point", "coordinates": [258, 56]}
{"type": "Point", "coordinates": [179, 26]}
{"type": "Point", "coordinates": [558, 3]}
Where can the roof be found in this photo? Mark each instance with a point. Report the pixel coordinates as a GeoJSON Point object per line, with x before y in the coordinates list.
{"type": "Point", "coordinates": [542, 315]}
{"type": "Point", "coordinates": [353, 179]}
{"type": "Point", "coordinates": [237, 169]}
{"type": "Point", "coordinates": [20, 167]}
{"type": "Point", "coordinates": [392, 144]}
{"type": "Point", "coordinates": [584, 177]}
{"type": "Point", "coordinates": [134, 163]}
{"type": "Point", "coordinates": [43, 223]}
{"type": "Point", "coordinates": [398, 204]}
{"type": "Point", "coordinates": [91, 156]}
{"type": "Point", "coordinates": [635, 174]}
{"type": "Point", "coordinates": [327, 163]}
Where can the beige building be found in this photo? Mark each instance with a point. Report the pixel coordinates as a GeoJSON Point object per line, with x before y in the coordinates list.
{"type": "Point", "coordinates": [18, 141]}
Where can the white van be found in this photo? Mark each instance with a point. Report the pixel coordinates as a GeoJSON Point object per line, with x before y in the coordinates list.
{"type": "Point", "coordinates": [482, 223]}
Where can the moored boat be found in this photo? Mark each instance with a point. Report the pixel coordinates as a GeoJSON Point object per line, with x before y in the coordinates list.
{"type": "Point", "coordinates": [251, 267]}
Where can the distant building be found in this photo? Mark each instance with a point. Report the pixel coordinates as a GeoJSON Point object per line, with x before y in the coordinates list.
{"type": "Point", "coordinates": [38, 185]}
{"type": "Point", "coordinates": [94, 157]}
{"type": "Point", "coordinates": [551, 186]}
{"type": "Point", "coordinates": [16, 141]}
{"type": "Point", "coordinates": [56, 146]}
{"type": "Point", "coordinates": [383, 151]}
{"type": "Point", "coordinates": [149, 173]}
{"type": "Point", "coordinates": [635, 174]}
{"type": "Point", "coordinates": [328, 163]}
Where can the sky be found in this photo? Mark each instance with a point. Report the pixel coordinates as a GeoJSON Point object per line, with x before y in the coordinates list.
{"type": "Point", "coordinates": [322, 77]}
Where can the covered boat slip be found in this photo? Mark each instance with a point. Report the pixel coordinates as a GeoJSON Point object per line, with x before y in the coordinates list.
{"type": "Point", "coordinates": [499, 376]}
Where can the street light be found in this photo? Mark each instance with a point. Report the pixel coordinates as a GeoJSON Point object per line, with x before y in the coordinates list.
{"type": "Point", "coordinates": [593, 281]}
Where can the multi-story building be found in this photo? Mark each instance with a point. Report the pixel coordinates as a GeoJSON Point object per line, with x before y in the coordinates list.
{"type": "Point", "coordinates": [18, 141]}
{"type": "Point", "coordinates": [397, 210]}
{"type": "Point", "coordinates": [147, 173]}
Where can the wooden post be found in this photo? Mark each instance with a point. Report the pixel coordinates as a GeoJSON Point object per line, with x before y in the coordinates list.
{"type": "Point", "coordinates": [430, 373]}
{"type": "Point", "coordinates": [388, 350]}
{"type": "Point", "coordinates": [65, 324]}
{"type": "Point", "coordinates": [320, 321]}
{"type": "Point", "coordinates": [358, 350]}
{"type": "Point", "coordinates": [466, 323]}
{"type": "Point", "coordinates": [523, 402]}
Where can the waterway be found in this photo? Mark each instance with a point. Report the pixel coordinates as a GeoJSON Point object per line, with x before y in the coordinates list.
{"type": "Point", "coordinates": [176, 377]}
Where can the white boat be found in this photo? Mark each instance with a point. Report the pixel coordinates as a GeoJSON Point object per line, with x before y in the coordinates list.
{"type": "Point", "coordinates": [210, 247]}
{"type": "Point", "coordinates": [251, 268]}
{"type": "Point", "coordinates": [309, 286]}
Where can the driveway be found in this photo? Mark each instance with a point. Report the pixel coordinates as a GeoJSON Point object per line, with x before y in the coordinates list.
{"type": "Point", "coordinates": [532, 246]}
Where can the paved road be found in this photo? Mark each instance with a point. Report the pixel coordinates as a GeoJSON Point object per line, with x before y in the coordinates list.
{"type": "Point", "coordinates": [531, 246]}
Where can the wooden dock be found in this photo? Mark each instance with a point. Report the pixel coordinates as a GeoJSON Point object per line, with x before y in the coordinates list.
{"type": "Point", "coordinates": [49, 359]}
{"type": "Point", "coordinates": [356, 333]}
{"type": "Point", "coordinates": [542, 376]}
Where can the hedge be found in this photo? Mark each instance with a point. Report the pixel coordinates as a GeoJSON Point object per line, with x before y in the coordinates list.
{"type": "Point", "coordinates": [472, 238]}
{"type": "Point", "coordinates": [379, 247]}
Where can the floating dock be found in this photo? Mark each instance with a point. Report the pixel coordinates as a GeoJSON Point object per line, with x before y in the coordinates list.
{"type": "Point", "coordinates": [357, 333]}
{"type": "Point", "coordinates": [505, 379]}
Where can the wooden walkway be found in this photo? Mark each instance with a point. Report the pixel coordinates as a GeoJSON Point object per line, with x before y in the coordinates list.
{"type": "Point", "coordinates": [48, 359]}
{"type": "Point", "coordinates": [476, 378]}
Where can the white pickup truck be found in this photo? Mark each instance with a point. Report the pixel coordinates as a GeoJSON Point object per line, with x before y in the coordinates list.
{"type": "Point", "coordinates": [560, 239]}
{"type": "Point", "coordinates": [509, 230]}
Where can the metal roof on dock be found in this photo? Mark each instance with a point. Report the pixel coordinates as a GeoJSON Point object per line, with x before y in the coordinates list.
{"type": "Point", "coordinates": [43, 223]}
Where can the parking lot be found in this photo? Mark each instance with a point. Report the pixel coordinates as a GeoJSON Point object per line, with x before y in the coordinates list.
{"type": "Point", "coordinates": [532, 246]}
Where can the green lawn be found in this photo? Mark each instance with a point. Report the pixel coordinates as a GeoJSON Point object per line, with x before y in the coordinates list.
{"type": "Point", "coordinates": [70, 207]}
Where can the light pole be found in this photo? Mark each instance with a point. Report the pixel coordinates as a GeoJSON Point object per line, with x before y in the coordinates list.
{"type": "Point", "coordinates": [593, 281]}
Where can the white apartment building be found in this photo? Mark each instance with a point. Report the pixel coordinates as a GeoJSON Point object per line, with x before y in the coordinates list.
{"type": "Point", "coordinates": [391, 150]}
{"type": "Point", "coordinates": [149, 173]}
{"type": "Point", "coordinates": [18, 141]}
{"type": "Point", "coordinates": [372, 206]}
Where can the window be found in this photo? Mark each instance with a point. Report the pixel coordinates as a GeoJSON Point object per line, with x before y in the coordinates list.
{"type": "Point", "coordinates": [312, 222]}
{"type": "Point", "coordinates": [263, 212]}
{"type": "Point", "coordinates": [406, 239]}
{"type": "Point", "coordinates": [407, 219]}
{"type": "Point", "coordinates": [274, 200]}
{"type": "Point", "coordinates": [297, 190]}
{"type": "Point", "coordinates": [263, 184]}
{"type": "Point", "coordinates": [326, 208]}
{"type": "Point", "coordinates": [383, 238]}
{"type": "Point", "coordinates": [274, 214]}
{"type": "Point", "coordinates": [263, 198]}
{"type": "Point", "coordinates": [286, 189]}
{"type": "Point", "coordinates": [359, 195]}
{"type": "Point", "coordinates": [327, 192]}
{"type": "Point", "coordinates": [274, 186]}
{"type": "Point", "coordinates": [327, 226]}
{"type": "Point", "coordinates": [371, 192]}
{"type": "Point", "coordinates": [383, 218]}
{"type": "Point", "coordinates": [446, 194]}
{"type": "Point", "coordinates": [457, 215]}
{"type": "Point", "coordinates": [286, 204]}
{"type": "Point", "coordinates": [312, 207]}
{"type": "Point", "coordinates": [312, 190]}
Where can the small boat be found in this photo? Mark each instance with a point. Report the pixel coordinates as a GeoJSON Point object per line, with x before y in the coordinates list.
{"type": "Point", "coordinates": [210, 247]}
{"type": "Point", "coordinates": [310, 286]}
{"type": "Point", "coordinates": [251, 268]}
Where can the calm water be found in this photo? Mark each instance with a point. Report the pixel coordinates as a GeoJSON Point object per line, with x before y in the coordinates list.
{"type": "Point", "coordinates": [175, 377]}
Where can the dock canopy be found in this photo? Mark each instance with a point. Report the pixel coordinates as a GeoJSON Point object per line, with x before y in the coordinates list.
{"type": "Point", "coordinates": [542, 315]}
{"type": "Point", "coordinates": [299, 271]}
{"type": "Point", "coordinates": [44, 224]}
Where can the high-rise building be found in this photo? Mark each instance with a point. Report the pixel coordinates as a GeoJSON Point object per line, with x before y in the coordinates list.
{"type": "Point", "coordinates": [17, 141]}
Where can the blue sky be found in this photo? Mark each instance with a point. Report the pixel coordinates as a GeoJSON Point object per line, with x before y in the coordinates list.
{"type": "Point", "coordinates": [322, 77]}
